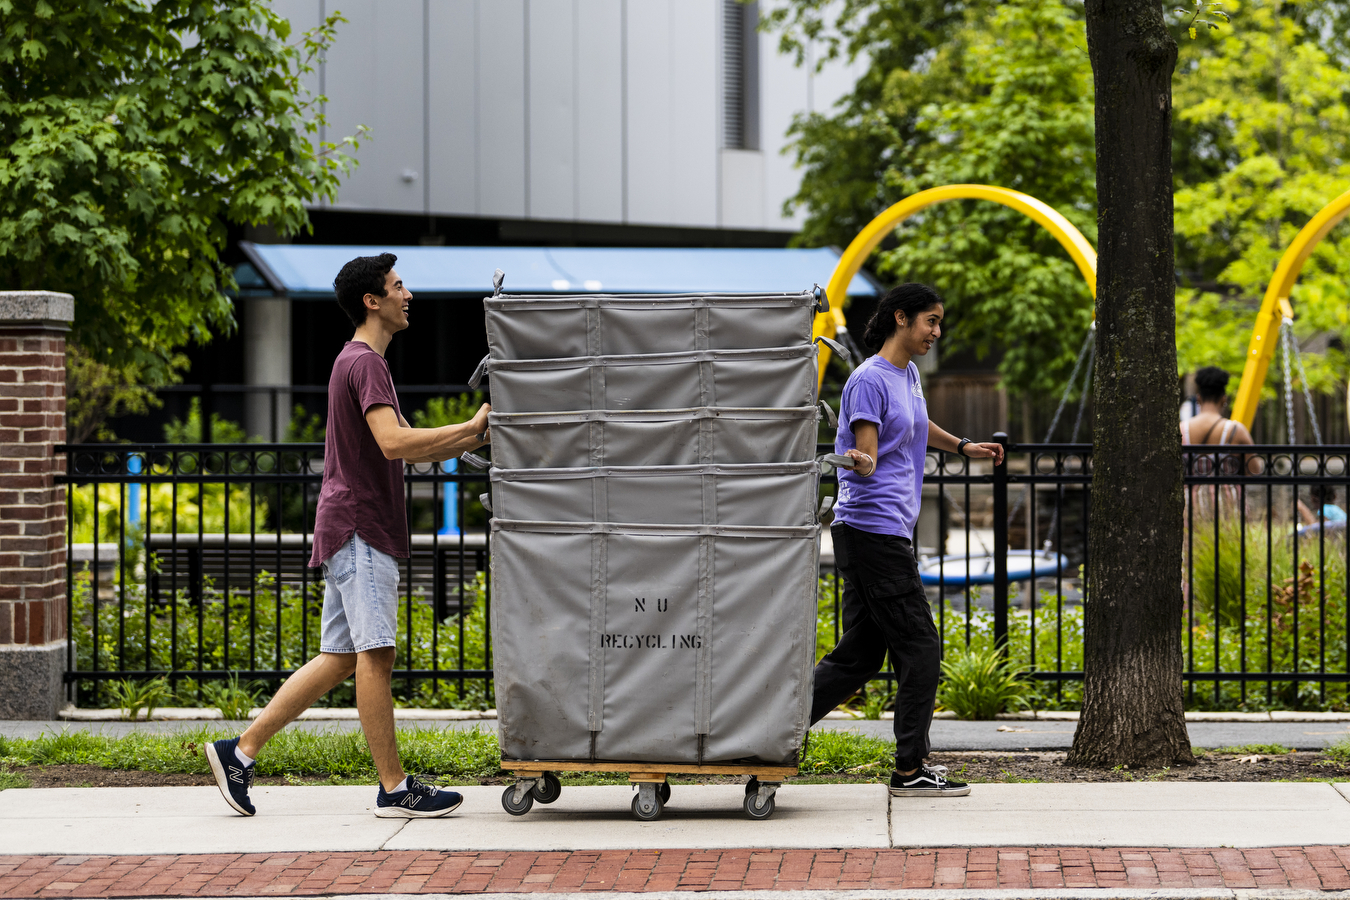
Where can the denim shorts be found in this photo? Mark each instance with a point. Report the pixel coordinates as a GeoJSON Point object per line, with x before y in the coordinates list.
{"type": "Point", "coordinates": [360, 601]}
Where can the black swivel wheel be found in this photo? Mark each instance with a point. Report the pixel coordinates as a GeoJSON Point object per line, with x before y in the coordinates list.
{"type": "Point", "coordinates": [547, 789]}
{"type": "Point", "coordinates": [648, 808]}
{"type": "Point", "coordinates": [664, 792]}
{"type": "Point", "coordinates": [754, 809]}
{"type": "Point", "coordinates": [510, 805]}
{"type": "Point", "coordinates": [752, 786]}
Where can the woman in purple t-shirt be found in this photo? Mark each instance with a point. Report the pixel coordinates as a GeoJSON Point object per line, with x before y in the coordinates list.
{"type": "Point", "coordinates": [884, 427]}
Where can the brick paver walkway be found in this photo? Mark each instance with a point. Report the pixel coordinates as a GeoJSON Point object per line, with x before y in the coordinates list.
{"type": "Point", "coordinates": [252, 874]}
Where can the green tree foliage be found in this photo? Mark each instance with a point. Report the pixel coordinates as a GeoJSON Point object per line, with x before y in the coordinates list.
{"type": "Point", "coordinates": [132, 133]}
{"type": "Point", "coordinates": [1001, 93]}
{"type": "Point", "coordinates": [1026, 124]}
{"type": "Point", "coordinates": [981, 93]}
{"type": "Point", "coordinates": [97, 392]}
{"type": "Point", "coordinates": [1264, 115]}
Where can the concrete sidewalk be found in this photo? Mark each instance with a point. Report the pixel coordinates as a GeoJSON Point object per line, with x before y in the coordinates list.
{"type": "Point", "coordinates": [191, 820]}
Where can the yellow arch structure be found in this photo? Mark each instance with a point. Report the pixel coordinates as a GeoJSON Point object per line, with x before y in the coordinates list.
{"type": "Point", "coordinates": [1276, 306]}
{"type": "Point", "coordinates": [827, 324]}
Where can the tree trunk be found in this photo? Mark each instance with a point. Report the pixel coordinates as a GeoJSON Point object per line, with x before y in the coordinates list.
{"type": "Point", "coordinates": [1132, 696]}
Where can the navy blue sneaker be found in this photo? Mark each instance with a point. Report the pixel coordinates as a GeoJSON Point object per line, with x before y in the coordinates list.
{"type": "Point", "coordinates": [232, 777]}
{"type": "Point", "coordinates": [419, 801]}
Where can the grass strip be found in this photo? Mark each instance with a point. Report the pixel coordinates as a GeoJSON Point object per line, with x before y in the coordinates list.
{"type": "Point", "coordinates": [453, 753]}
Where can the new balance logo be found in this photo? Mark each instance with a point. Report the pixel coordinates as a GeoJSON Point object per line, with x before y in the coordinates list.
{"type": "Point", "coordinates": [411, 800]}
{"type": "Point", "coordinates": [236, 774]}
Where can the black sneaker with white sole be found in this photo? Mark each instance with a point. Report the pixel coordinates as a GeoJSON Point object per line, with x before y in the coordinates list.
{"type": "Point", "coordinates": [232, 777]}
{"type": "Point", "coordinates": [927, 781]}
{"type": "Point", "coordinates": [419, 801]}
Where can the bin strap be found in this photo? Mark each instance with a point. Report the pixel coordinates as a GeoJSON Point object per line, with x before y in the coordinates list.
{"type": "Point", "coordinates": [599, 390]}
{"type": "Point", "coordinates": [703, 654]}
{"type": "Point", "coordinates": [597, 441]}
{"type": "Point", "coordinates": [600, 499]}
{"type": "Point", "coordinates": [572, 473]}
{"type": "Point", "coordinates": [599, 578]}
{"type": "Point", "coordinates": [654, 415]}
{"type": "Point", "coordinates": [744, 531]}
{"type": "Point", "coordinates": [593, 338]}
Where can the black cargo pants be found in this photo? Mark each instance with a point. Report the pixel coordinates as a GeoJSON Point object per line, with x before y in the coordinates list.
{"type": "Point", "coordinates": [884, 609]}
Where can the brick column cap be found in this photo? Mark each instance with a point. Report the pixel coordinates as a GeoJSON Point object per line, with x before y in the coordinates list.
{"type": "Point", "coordinates": [48, 309]}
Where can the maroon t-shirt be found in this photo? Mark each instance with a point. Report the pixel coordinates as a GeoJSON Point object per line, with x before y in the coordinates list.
{"type": "Point", "coordinates": [362, 491]}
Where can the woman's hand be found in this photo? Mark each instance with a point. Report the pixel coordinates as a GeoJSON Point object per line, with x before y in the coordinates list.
{"type": "Point", "coordinates": [989, 450]}
{"type": "Point", "coordinates": [866, 463]}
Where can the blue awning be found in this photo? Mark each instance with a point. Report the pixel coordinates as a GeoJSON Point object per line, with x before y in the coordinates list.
{"type": "Point", "coordinates": [305, 271]}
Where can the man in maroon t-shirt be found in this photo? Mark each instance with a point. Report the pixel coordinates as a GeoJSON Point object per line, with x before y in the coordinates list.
{"type": "Point", "coordinates": [360, 531]}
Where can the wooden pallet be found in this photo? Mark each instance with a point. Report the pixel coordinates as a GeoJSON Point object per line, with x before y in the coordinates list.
{"type": "Point", "coordinates": [640, 771]}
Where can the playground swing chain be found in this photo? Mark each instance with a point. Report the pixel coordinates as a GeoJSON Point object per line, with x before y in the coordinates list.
{"type": "Point", "coordinates": [1289, 344]}
{"type": "Point", "coordinates": [1088, 351]}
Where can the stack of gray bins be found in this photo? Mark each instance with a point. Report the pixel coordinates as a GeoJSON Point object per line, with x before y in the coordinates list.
{"type": "Point", "coordinates": [654, 530]}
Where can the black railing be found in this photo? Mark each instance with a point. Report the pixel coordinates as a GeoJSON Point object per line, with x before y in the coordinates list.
{"type": "Point", "coordinates": [190, 562]}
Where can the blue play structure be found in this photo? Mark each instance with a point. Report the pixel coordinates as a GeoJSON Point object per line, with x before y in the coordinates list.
{"type": "Point", "coordinates": [959, 570]}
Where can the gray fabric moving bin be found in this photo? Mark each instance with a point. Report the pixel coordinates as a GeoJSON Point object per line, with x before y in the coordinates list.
{"type": "Point", "coordinates": [776, 377]}
{"type": "Point", "coordinates": [671, 437]}
{"type": "Point", "coordinates": [654, 538]}
{"type": "Point", "coordinates": [548, 327]}
{"type": "Point", "coordinates": [775, 494]}
{"type": "Point", "coordinates": [684, 645]}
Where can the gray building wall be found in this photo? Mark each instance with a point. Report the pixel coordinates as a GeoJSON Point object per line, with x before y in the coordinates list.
{"type": "Point", "coordinates": [606, 111]}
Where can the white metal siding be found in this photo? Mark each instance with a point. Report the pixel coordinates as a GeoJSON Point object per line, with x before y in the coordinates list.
{"type": "Point", "coordinates": [589, 110]}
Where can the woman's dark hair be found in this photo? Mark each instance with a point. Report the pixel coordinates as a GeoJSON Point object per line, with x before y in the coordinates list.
{"type": "Point", "coordinates": [363, 275]}
{"type": "Point", "coordinates": [1211, 383]}
{"type": "Point", "coordinates": [910, 298]}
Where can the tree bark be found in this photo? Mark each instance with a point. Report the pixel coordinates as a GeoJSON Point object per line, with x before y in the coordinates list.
{"type": "Point", "coordinates": [1132, 699]}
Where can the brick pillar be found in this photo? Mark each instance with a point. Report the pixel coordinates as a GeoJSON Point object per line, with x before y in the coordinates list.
{"type": "Point", "coordinates": [33, 326]}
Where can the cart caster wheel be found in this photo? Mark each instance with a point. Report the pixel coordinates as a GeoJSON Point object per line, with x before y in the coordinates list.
{"type": "Point", "coordinates": [648, 807]}
{"type": "Point", "coordinates": [752, 786]}
{"type": "Point", "coordinates": [664, 791]}
{"type": "Point", "coordinates": [517, 807]}
{"type": "Point", "coordinates": [547, 789]}
{"type": "Point", "coordinates": [754, 810]}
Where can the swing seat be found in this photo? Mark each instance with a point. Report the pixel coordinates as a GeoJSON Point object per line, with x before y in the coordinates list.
{"type": "Point", "coordinates": [959, 570]}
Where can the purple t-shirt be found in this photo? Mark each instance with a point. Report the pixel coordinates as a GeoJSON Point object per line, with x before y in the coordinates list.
{"type": "Point", "coordinates": [362, 491]}
{"type": "Point", "coordinates": [887, 501]}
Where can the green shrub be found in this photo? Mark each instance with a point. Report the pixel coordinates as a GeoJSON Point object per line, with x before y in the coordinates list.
{"type": "Point", "coordinates": [234, 700]}
{"type": "Point", "coordinates": [839, 752]}
{"type": "Point", "coordinates": [1248, 749]}
{"type": "Point", "coordinates": [980, 685]}
{"type": "Point", "coordinates": [133, 696]}
{"type": "Point", "coordinates": [1339, 751]}
{"type": "Point", "coordinates": [287, 626]}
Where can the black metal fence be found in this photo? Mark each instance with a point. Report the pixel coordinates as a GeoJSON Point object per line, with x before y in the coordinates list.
{"type": "Point", "coordinates": [190, 562]}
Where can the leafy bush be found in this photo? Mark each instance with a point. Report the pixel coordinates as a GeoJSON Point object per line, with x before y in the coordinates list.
{"type": "Point", "coordinates": [450, 410]}
{"type": "Point", "coordinates": [189, 430]}
{"type": "Point", "coordinates": [133, 696]}
{"type": "Point", "coordinates": [980, 685]}
{"type": "Point", "coordinates": [1048, 638]}
{"type": "Point", "coordinates": [234, 700]}
{"type": "Point", "coordinates": [840, 752]}
{"type": "Point", "coordinates": [285, 634]}
{"type": "Point", "coordinates": [193, 507]}
{"type": "Point", "coordinates": [1228, 626]}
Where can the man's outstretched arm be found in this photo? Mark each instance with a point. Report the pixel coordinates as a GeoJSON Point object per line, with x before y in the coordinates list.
{"type": "Point", "coordinates": [399, 440]}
